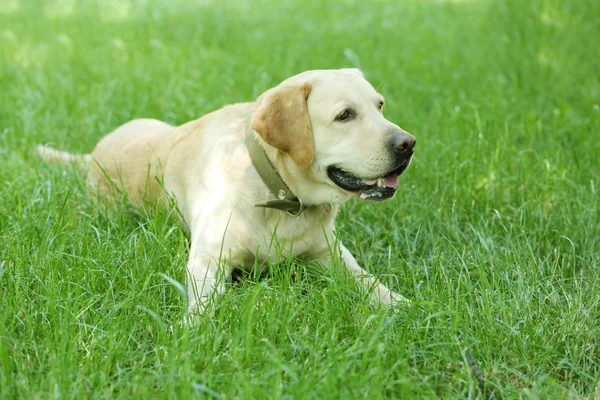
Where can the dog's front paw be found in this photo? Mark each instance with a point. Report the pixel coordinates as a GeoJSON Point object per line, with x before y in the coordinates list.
{"type": "Point", "coordinates": [385, 296]}
{"type": "Point", "coordinates": [196, 310]}
{"type": "Point", "coordinates": [397, 299]}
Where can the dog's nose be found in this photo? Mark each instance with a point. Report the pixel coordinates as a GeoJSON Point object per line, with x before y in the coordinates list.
{"type": "Point", "coordinates": [403, 143]}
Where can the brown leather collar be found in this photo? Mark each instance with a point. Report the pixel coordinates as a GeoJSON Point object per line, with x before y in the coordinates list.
{"type": "Point", "coordinates": [285, 200]}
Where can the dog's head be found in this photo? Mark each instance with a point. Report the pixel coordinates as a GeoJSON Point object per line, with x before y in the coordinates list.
{"type": "Point", "coordinates": [332, 137]}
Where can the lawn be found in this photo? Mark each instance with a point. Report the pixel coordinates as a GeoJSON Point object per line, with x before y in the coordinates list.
{"type": "Point", "coordinates": [494, 233]}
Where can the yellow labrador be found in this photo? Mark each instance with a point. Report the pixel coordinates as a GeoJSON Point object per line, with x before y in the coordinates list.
{"type": "Point", "coordinates": [276, 168]}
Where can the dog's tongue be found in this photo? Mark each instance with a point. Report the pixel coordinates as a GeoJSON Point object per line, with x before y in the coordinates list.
{"type": "Point", "coordinates": [390, 180]}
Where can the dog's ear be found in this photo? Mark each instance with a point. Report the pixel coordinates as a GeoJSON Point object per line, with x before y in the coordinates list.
{"type": "Point", "coordinates": [281, 119]}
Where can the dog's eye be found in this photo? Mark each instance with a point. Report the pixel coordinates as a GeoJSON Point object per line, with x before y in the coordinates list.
{"type": "Point", "coordinates": [345, 115]}
{"type": "Point", "coordinates": [381, 103]}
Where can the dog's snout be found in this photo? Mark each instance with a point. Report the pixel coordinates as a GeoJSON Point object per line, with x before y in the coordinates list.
{"type": "Point", "coordinates": [403, 143]}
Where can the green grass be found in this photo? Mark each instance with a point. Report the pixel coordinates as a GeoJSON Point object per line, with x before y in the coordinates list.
{"type": "Point", "coordinates": [495, 231]}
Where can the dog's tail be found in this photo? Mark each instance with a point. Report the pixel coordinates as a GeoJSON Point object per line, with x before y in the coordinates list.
{"type": "Point", "coordinates": [52, 155]}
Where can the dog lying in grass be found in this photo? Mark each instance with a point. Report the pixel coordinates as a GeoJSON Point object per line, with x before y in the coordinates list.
{"type": "Point", "coordinates": [241, 176]}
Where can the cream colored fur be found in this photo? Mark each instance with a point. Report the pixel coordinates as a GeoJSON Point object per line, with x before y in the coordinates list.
{"type": "Point", "coordinates": [205, 166]}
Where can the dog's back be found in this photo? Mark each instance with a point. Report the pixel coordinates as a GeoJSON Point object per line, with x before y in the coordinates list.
{"type": "Point", "coordinates": [127, 159]}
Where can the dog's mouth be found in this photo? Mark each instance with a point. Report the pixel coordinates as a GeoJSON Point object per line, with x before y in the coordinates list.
{"type": "Point", "coordinates": [374, 189]}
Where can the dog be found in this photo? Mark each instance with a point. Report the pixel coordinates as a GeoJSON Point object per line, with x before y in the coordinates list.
{"type": "Point", "coordinates": [278, 168]}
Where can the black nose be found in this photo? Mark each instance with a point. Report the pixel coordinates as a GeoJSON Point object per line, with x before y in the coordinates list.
{"type": "Point", "coordinates": [403, 143]}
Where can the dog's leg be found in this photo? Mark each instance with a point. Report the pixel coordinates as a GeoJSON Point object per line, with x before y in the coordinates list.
{"type": "Point", "coordinates": [379, 292]}
{"type": "Point", "coordinates": [206, 279]}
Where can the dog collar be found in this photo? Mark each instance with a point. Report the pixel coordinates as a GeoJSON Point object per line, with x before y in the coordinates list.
{"type": "Point", "coordinates": [285, 200]}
